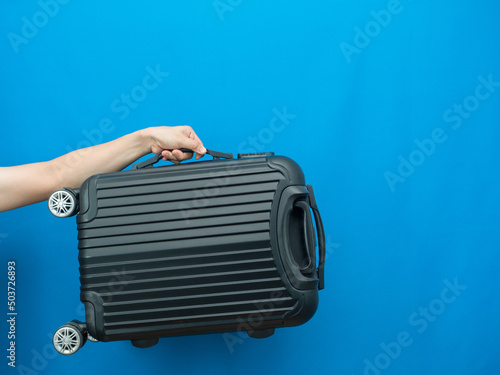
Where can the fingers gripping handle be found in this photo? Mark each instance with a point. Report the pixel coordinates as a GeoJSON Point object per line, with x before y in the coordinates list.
{"type": "Point", "coordinates": [155, 159]}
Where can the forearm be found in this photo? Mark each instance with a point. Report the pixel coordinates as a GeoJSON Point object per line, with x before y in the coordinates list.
{"type": "Point", "coordinates": [32, 183]}
{"type": "Point", "coordinates": [70, 170]}
{"type": "Point", "coordinates": [24, 184]}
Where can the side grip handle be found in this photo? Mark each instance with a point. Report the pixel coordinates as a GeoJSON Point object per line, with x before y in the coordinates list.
{"type": "Point", "coordinates": [296, 238]}
{"type": "Point", "coordinates": [321, 237]}
{"type": "Point", "coordinates": [307, 266]}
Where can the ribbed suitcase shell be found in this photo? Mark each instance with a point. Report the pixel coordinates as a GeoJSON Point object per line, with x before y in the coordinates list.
{"type": "Point", "coordinates": [192, 248]}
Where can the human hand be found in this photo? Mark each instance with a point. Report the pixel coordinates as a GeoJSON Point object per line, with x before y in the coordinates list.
{"type": "Point", "coordinates": [163, 138]}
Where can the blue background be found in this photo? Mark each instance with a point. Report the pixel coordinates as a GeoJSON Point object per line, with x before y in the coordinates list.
{"type": "Point", "coordinates": [367, 82]}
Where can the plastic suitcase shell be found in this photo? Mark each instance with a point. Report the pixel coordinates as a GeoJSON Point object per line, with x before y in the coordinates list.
{"type": "Point", "coordinates": [208, 246]}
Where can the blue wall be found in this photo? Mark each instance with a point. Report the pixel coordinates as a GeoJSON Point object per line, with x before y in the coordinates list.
{"type": "Point", "coordinates": [392, 110]}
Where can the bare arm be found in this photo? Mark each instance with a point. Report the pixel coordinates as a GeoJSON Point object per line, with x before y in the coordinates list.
{"type": "Point", "coordinates": [32, 183]}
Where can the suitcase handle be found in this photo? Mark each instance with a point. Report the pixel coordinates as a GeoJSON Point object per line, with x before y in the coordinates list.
{"type": "Point", "coordinates": [155, 159]}
{"type": "Point", "coordinates": [294, 228]}
{"type": "Point", "coordinates": [321, 237]}
{"type": "Point", "coordinates": [309, 238]}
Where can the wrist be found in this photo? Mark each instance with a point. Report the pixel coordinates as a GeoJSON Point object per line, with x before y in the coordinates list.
{"type": "Point", "coordinates": [145, 140]}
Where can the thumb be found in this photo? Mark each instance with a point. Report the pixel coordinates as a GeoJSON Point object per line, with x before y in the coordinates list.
{"type": "Point", "coordinates": [198, 147]}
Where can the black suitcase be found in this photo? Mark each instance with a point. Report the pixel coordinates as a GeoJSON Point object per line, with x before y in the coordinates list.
{"type": "Point", "coordinates": [209, 246]}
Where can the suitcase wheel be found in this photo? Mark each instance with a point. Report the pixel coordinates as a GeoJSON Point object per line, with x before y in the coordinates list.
{"type": "Point", "coordinates": [63, 203]}
{"type": "Point", "coordinates": [69, 338]}
{"type": "Point", "coordinates": [144, 343]}
{"type": "Point", "coordinates": [261, 334]}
